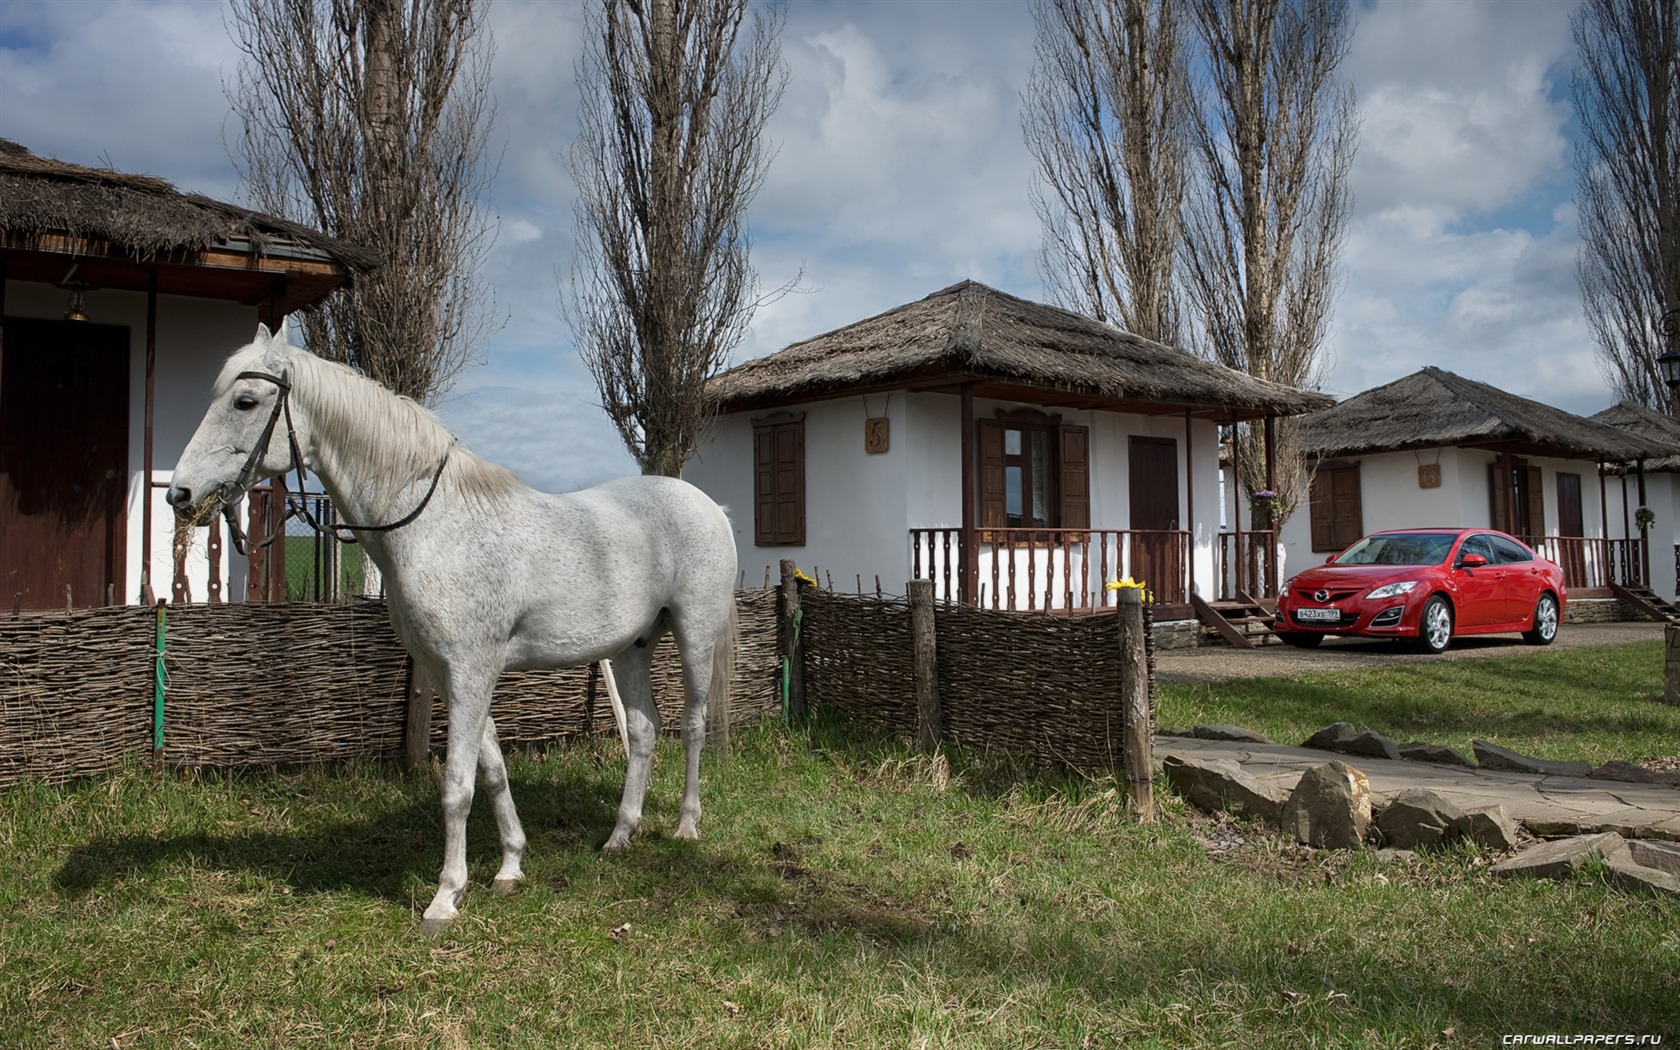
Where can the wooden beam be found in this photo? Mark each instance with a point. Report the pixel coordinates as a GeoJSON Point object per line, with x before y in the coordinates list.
{"type": "Point", "coordinates": [969, 557]}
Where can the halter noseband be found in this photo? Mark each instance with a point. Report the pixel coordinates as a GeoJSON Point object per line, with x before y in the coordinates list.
{"type": "Point", "coordinates": [299, 507]}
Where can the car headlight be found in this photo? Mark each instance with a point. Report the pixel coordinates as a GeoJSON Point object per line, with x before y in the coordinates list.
{"type": "Point", "coordinates": [1393, 590]}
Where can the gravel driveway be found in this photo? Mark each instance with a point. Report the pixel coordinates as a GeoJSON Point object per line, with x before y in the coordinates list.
{"type": "Point", "coordinates": [1213, 663]}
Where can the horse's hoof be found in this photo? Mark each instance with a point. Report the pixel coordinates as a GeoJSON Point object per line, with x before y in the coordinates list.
{"type": "Point", "coordinates": [687, 832]}
{"type": "Point", "coordinates": [505, 887]}
{"type": "Point", "coordinates": [430, 928]}
{"type": "Point", "coordinates": [618, 843]}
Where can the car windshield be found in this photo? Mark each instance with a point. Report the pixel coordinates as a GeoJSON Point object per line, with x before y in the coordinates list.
{"type": "Point", "coordinates": [1399, 548]}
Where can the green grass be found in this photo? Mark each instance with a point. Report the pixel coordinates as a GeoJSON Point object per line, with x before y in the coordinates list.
{"type": "Point", "coordinates": [1592, 704]}
{"type": "Point", "coordinates": [847, 893]}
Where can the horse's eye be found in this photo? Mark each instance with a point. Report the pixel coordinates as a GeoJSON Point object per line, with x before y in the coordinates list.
{"type": "Point", "coordinates": [245, 402]}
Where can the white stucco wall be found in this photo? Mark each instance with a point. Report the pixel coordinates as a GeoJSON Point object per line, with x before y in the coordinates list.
{"type": "Point", "coordinates": [1391, 497]}
{"type": "Point", "coordinates": [1662, 495]}
{"type": "Point", "coordinates": [860, 507]}
{"type": "Point", "coordinates": [193, 338]}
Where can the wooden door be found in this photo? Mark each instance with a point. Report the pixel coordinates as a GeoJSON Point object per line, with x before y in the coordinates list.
{"type": "Point", "coordinates": [1572, 547]}
{"type": "Point", "coordinates": [1153, 490]}
{"type": "Point", "coordinates": [63, 462]}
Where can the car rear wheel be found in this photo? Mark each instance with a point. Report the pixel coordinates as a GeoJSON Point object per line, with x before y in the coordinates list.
{"type": "Point", "coordinates": [1302, 641]}
{"type": "Point", "coordinates": [1545, 622]}
{"type": "Point", "coordinates": [1435, 626]}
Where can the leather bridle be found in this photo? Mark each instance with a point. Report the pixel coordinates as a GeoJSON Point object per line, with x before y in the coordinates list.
{"type": "Point", "coordinates": [298, 507]}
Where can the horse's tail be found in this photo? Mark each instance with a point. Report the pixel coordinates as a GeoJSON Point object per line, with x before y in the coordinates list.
{"type": "Point", "coordinates": [723, 673]}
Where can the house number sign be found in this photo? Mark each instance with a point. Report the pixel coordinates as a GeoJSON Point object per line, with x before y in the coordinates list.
{"type": "Point", "coordinates": [876, 434]}
{"type": "Point", "coordinates": [1429, 475]}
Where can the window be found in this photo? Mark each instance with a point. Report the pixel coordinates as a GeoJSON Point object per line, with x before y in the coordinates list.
{"type": "Point", "coordinates": [1509, 552]}
{"type": "Point", "coordinates": [1034, 472]}
{"type": "Point", "coordinates": [779, 480]}
{"type": "Point", "coordinates": [1518, 507]}
{"type": "Point", "coordinates": [1338, 519]}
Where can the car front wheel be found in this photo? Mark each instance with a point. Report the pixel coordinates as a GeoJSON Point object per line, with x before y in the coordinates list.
{"type": "Point", "coordinates": [1545, 622]}
{"type": "Point", "coordinates": [1435, 626]}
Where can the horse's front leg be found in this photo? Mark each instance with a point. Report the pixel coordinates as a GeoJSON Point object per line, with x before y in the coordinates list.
{"type": "Point", "coordinates": [492, 772]}
{"type": "Point", "coordinates": [467, 693]}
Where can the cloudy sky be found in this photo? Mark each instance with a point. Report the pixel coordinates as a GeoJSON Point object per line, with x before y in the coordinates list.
{"type": "Point", "coordinates": [900, 171]}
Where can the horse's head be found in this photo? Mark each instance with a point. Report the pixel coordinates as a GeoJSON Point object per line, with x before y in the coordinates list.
{"type": "Point", "coordinates": [245, 436]}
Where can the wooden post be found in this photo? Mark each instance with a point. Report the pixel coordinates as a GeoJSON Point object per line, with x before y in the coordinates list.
{"type": "Point", "coordinates": [787, 637]}
{"type": "Point", "coordinates": [930, 726]}
{"type": "Point", "coordinates": [417, 730]}
{"type": "Point", "coordinates": [1671, 664]}
{"type": "Point", "coordinates": [1134, 687]}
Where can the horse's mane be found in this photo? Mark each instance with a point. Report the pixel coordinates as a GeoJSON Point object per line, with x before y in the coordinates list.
{"type": "Point", "coordinates": [398, 437]}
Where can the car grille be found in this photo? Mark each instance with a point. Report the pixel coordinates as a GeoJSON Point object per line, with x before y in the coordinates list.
{"type": "Point", "coordinates": [1310, 594]}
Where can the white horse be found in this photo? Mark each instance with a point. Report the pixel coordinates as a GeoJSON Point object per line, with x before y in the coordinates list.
{"type": "Point", "coordinates": [483, 573]}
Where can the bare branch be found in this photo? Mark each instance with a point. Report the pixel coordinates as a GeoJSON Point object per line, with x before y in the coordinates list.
{"type": "Point", "coordinates": [668, 157]}
{"type": "Point", "coordinates": [1627, 97]}
{"type": "Point", "coordinates": [368, 119]}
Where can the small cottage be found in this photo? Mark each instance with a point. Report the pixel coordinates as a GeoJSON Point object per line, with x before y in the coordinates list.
{"type": "Point", "coordinates": [119, 298]}
{"type": "Point", "coordinates": [1018, 455]}
{"type": "Point", "coordinates": [1434, 448]}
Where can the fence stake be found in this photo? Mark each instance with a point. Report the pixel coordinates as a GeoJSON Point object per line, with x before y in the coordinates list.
{"type": "Point", "coordinates": [1134, 688]}
{"type": "Point", "coordinates": [417, 728]}
{"type": "Point", "coordinates": [924, 641]}
{"type": "Point", "coordinates": [787, 632]}
{"type": "Point", "coordinates": [157, 688]}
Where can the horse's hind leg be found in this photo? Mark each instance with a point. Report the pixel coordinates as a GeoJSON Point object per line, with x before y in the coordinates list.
{"type": "Point", "coordinates": [631, 669]}
{"type": "Point", "coordinates": [697, 679]}
{"type": "Point", "coordinates": [492, 773]}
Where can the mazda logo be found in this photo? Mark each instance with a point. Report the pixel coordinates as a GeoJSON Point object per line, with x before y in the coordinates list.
{"type": "Point", "coordinates": [1321, 596]}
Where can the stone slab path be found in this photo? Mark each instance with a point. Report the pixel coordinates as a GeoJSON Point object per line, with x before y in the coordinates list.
{"type": "Point", "coordinates": [1547, 805]}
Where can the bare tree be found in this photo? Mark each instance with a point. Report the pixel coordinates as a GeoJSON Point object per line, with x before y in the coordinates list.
{"type": "Point", "coordinates": [1106, 113]}
{"type": "Point", "coordinates": [668, 156]}
{"type": "Point", "coordinates": [1627, 97]}
{"type": "Point", "coordinates": [367, 119]}
{"type": "Point", "coordinates": [1268, 202]}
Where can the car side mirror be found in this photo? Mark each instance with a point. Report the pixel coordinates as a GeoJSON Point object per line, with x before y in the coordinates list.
{"type": "Point", "coordinates": [1472, 561]}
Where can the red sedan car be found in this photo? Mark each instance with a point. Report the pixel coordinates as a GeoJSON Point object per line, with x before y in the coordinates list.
{"type": "Point", "coordinates": [1425, 585]}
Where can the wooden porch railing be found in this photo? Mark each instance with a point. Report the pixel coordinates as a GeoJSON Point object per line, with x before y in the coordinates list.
{"type": "Point", "coordinates": [1028, 569]}
{"type": "Point", "coordinates": [1247, 565]}
{"type": "Point", "coordinates": [1591, 564]}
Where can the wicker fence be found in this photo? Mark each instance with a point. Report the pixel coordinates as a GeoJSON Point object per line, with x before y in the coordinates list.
{"type": "Point", "coordinates": [1050, 687]}
{"type": "Point", "coordinates": [261, 685]}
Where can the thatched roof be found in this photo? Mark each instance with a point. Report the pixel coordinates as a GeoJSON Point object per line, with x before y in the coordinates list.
{"type": "Point", "coordinates": [1642, 422]}
{"type": "Point", "coordinates": [1010, 349]}
{"type": "Point", "coordinates": [117, 227]}
{"type": "Point", "coordinates": [1433, 408]}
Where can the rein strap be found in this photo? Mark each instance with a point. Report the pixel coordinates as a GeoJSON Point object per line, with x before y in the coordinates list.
{"type": "Point", "coordinates": [298, 506]}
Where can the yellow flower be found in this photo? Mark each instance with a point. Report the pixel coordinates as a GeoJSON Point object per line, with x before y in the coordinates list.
{"type": "Point", "coordinates": [1128, 584]}
{"type": "Point", "coordinates": [799, 574]}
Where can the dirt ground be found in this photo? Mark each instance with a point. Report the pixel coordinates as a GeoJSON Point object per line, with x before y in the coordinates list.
{"type": "Point", "coordinates": [1213, 663]}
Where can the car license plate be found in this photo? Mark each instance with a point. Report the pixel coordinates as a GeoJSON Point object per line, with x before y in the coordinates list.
{"type": "Point", "coordinates": [1323, 615]}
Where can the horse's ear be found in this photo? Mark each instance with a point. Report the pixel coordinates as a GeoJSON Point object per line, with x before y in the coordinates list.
{"type": "Point", "coordinates": [263, 334]}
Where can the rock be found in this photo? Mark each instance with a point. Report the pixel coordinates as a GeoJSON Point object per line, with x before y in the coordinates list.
{"type": "Point", "coordinates": [1625, 872]}
{"type": "Point", "coordinates": [1370, 744]}
{"type": "Point", "coordinates": [1492, 756]}
{"type": "Point", "coordinates": [1492, 828]}
{"type": "Point", "coordinates": [1330, 807]}
{"type": "Point", "coordinates": [1419, 818]}
{"type": "Point", "coordinates": [1418, 751]}
{"type": "Point", "coordinates": [1327, 738]}
{"type": "Point", "coordinates": [1663, 856]}
{"type": "Point", "coordinates": [1343, 738]}
{"type": "Point", "coordinates": [1624, 772]}
{"type": "Point", "coordinates": [1215, 784]}
{"type": "Point", "coordinates": [1560, 858]}
{"type": "Point", "coordinates": [1224, 732]}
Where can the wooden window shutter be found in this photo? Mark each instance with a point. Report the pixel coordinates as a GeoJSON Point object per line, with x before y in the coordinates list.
{"type": "Point", "coordinates": [1321, 506]}
{"type": "Point", "coordinates": [779, 481]}
{"type": "Point", "coordinates": [1075, 476]}
{"type": "Point", "coordinates": [990, 469]}
{"type": "Point", "coordinates": [1536, 500]}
